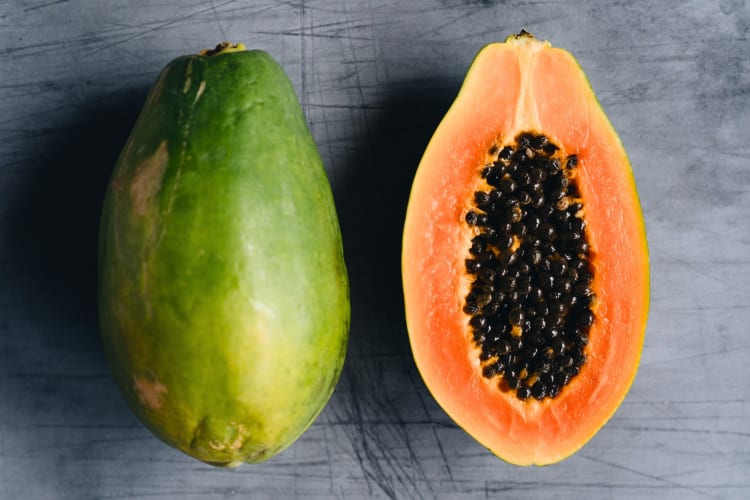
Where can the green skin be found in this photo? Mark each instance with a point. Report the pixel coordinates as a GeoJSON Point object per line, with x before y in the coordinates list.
{"type": "Point", "coordinates": [224, 299]}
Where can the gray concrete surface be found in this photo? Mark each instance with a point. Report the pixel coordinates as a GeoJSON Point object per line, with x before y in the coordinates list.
{"type": "Point", "coordinates": [374, 79]}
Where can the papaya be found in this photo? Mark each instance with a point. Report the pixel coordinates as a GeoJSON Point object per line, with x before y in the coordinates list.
{"type": "Point", "coordinates": [223, 291]}
{"type": "Point", "coordinates": [524, 261]}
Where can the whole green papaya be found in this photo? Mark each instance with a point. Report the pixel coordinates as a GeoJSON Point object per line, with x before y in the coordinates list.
{"type": "Point", "coordinates": [223, 292]}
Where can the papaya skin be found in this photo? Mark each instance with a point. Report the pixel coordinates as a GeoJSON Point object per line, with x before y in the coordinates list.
{"type": "Point", "coordinates": [223, 292]}
{"type": "Point", "coordinates": [524, 85]}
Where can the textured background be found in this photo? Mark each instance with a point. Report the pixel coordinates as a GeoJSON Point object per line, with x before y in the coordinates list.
{"type": "Point", "coordinates": [374, 79]}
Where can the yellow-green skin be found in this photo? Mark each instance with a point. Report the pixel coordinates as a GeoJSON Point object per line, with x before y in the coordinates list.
{"type": "Point", "coordinates": [223, 300]}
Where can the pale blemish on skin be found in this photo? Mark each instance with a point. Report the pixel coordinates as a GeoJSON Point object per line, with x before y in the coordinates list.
{"type": "Point", "coordinates": [199, 93]}
{"type": "Point", "coordinates": [262, 308]}
{"type": "Point", "coordinates": [188, 77]}
{"type": "Point", "coordinates": [235, 444]}
{"type": "Point", "coordinates": [149, 391]}
{"type": "Point", "coordinates": [147, 179]}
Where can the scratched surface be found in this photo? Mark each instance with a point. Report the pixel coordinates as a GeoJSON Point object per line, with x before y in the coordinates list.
{"type": "Point", "coordinates": [374, 79]}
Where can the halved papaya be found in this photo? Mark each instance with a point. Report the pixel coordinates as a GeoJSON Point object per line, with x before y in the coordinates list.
{"type": "Point", "coordinates": [525, 263]}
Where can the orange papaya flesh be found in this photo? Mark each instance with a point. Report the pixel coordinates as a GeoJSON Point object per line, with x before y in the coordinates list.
{"type": "Point", "coordinates": [524, 86]}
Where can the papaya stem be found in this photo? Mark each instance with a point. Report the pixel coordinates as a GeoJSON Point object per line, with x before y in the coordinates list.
{"type": "Point", "coordinates": [223, 48]}
{"type": "Point", "coordinates": [524, 33]}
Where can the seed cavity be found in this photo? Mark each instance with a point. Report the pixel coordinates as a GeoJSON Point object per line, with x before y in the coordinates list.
{"type": "Point", "coordinates": [531, 298]}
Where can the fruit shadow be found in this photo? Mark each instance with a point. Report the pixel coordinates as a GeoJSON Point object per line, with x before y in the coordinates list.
{"type": "Point", "coordinates": [380, 381]}
{"type": "Point", "coordinates": [55, 214]}
{"type": "Point", "coordinates": [57, 374]}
